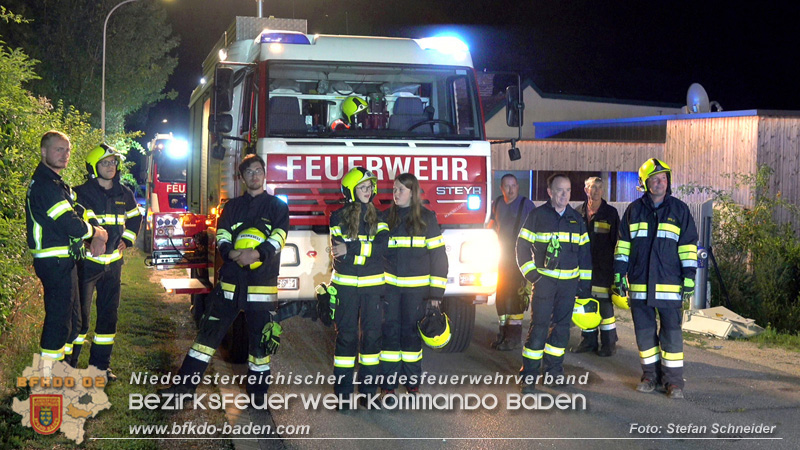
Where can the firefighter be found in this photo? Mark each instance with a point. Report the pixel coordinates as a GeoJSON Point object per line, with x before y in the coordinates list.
{"type": "Point", "coordinates": [248, 281]}
{"type": "Point", "coordinates": [56, 230]}
{"type": "Point", "coordinates": [655, 263]}
{"type": "Point", "coordinates": [112, 206]}
{"type": "Point", "coordinates": [602, 224]}
{"type": "Point", "coordinates": [358, 243]}
{"type": "Point", "coordinates": [552, 253]}
{"type": "Point", "coordinates": [416, 271]}
{"type": "Point", "coordinates": [513, 291]}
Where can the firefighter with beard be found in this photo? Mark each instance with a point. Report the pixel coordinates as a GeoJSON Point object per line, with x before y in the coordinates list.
{"type": "Point", "coordinates": [56, 229]}
{"type": "Point", "coordinates": [358, 243]}
{"type": "Point", "coordinates": [112, 206]}
{"type": "Point", "coordinates": [248, 281]}
{"type": "Point", "coordinates": [655, 264]}
{"type": "Point", "coordinates": [602, 224]}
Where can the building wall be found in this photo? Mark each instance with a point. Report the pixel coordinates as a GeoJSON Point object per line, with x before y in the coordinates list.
{"type": "Point", "coordinates": [538, 109]}
{"type": "Point", "coordinates": [702, 151]}
{"type": "Point", "coordinates": [706, 151]}
{"type": "Point", "coordinates": [578, 156]}
{"type": "Point", "coordinates": [779, 148]}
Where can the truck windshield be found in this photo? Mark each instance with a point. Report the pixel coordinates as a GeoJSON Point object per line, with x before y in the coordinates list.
{"type": "Point", "coordinates": [350, 100]}
{"type": "Point", "coordinates": [171, 170]}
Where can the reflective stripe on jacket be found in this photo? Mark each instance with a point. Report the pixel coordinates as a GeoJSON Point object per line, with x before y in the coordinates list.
{"type": "Point", "coordinates": [115, 210]}
{"type": "Point", "coordinates": [55, 221]}
{"type": "Point", "coordinates": [417, 261]}
{"type": "Point", "coordinates": [657, 249]}
{"type": "Point", "coordinates": [362, 266]}
{"type": "Point", "coordinates": [603, 230]}
{"type": "Point", "coordinates": [545, 226]}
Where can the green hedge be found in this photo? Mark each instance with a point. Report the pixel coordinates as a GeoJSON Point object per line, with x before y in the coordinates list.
{"type": "Point", "coordinates": [24, 118]}
{"type": "Point", "coordinates": [759, 258]}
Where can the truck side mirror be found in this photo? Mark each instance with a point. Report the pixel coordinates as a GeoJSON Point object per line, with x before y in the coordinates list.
{"type": "Point", "coordinates": [218, 152]}
{"type": "Point", "coordinates": [223, 90]}
{"type": "Point", "coordinates": [514, 107]}
{"type": "Point", "coordinates": [220, 124]}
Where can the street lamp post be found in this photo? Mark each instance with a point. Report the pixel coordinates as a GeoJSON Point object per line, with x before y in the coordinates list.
{"type": "Point", "coordinates": [103, 89]}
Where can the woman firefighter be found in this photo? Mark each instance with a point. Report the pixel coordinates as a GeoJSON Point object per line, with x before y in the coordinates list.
{"type": "Point", "coordinates": [416, 271]}
{"type": "Point", "coordinates": [358, 242]}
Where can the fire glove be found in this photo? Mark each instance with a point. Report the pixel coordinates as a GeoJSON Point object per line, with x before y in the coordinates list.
{"type": "Point", "coordinates": [524, 294]}
{"type": "Point", "coordinates": [326, 303]}
{"type": "Point", "coordinates": [271, 337]}
{"type": "Point", "coordinates": [688, 289]}
{"type": "Point", "coordinates": [553, 254]}
{"type": "Point", "coordinates": [620, 285]}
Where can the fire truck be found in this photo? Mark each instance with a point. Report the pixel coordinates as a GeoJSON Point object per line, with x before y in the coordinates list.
{"type": "Point", "coordinates": [272, 89]}
{"type": "Point", "coordinates": [165, 201]}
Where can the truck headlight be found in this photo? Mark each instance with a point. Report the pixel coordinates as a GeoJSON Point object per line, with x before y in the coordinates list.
{"type": "Point", "coordinates": [485, 251]}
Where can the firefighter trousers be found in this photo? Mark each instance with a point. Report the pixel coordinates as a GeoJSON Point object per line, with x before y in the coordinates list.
{"type": "Point", "coordinates": [553, 301]}
{"type": "Point", "coordinates": [357, 309]}
{"type": "Point", "coordinates": [106, 279]}
{"type": "Point", "coordinates": [401, 350]}
{"type": "Point", "coordinates": [660, 352]}
{"type": "Point", "coordinates": [608, 324]}
{"type": "Point", "coordinates": [215, 324]}
{"type": "Point", "coordinates": [59, 278]}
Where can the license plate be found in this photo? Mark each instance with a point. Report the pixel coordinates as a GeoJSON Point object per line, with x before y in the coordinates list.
{"type": "Point", "coordinates": [288, 284]}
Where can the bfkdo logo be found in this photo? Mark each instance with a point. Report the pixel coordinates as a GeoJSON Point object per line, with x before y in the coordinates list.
{"type": "Point", "coordinates": [46, 413]}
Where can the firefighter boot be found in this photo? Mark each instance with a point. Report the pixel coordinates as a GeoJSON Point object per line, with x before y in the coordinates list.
{"type": "Point", "coordinates": [608, 340]}
{"type": "Point", "coordinates": [513, 340]}
{"type": "Point", "coordinates": [501, 336]}
{"type": "Point", "coordinates": [588, 342]}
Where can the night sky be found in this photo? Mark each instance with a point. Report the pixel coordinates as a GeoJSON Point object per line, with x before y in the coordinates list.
{"type": "Point", "coordinates": [743, 54]}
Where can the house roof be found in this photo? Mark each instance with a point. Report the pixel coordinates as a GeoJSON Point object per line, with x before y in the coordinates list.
{"type": "Point", "coordinates": [494, 103]}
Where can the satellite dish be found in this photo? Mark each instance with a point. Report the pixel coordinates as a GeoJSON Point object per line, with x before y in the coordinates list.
{"type": "Point", "coordinates": [697, 99]}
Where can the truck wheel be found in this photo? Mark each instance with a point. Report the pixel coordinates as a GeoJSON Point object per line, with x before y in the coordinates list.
{"type": "Point", "coordinates": [461, 312]}
{"type": "Point", "coordinates": [235, 342]}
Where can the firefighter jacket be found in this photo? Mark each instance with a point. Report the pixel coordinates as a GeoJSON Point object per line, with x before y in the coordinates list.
{"type": "Point", "coordinates": [55, 221]}
{"type": "Point", "coordinates": [269, 215]}
{"type": "Point", "coordinates": [417, 261]}
{"type": "Point", "coordinates": [657, 249]}
{"type": "Point", "coordinates": [114, 209]}
{"type": "Point", "coordinates": [555, 246]}
{"type": "Point", "coordinates": [603, 229]}
{"type": "Point", "coordinates": [362, 266]}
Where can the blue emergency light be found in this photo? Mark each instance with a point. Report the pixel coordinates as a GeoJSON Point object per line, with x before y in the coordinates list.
{"type": "Point", "coordinates": [177, 148]}
{"type": "Point", "coordinates": [283, 37]}
{"type": "Point", "coordinates": [473, 202]}
{"type": "Point", "coordinates": [449, 45]}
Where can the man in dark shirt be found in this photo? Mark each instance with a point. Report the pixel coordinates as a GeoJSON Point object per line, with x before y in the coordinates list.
{"type": "Point", "coordinates": [508, 215]}
{"type": "Point", "coordinates": [602, 224]}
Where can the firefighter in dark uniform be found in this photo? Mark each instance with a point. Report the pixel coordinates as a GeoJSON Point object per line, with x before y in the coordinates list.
{"type": "Point", "coordinates": [248, 281]}
{"type": "Point", "coordinates": [358, 243]}
{"type": "Point", "coordinates": [552, 253]}
{"type": "Point", "coordinates": [112, 206]}
{"type": "Point", "coordinates": [56, 230]}
{"type": "Point", "coordinates": [602, 224]}
{"type": "Point", "coordinates": [416, 271]}
{"type": "Point", "coordinates": [657, 252]}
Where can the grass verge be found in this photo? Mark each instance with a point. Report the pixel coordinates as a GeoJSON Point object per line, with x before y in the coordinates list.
{"type": "Point", "coordinates": [771, 338]}
{"type": "Point", "coordinates": [145, 342]}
